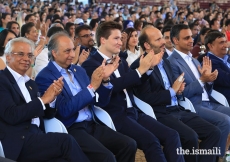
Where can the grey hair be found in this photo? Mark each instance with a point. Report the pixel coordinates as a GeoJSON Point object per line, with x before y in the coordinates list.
{"type": "Point", "coordinates": [9, 45]}
{"type": "Point", "coordinates": [53, 43]}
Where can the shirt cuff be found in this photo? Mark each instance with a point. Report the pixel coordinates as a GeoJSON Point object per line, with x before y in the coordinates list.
{"type": "Point", "coordinates": [138, 73]}
{"type": "Point", "coordinates": [172, 92]}
{"type": "Point", "coordinates": [91, 92]}
{"type": "Point", "coordinates": [149, 72]}
{"type": "Point", "coordinates": [108, 85]}
{"type": "Point", "coordinates": [201, 83]}
{"type": "Point", "coordinates": [52, 104]}
{"type": "Point", "coordinates": [42, 103]}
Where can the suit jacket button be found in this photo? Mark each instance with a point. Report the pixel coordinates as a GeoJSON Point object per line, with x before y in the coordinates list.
{"type": "Point", "coordinates": [23, 137]}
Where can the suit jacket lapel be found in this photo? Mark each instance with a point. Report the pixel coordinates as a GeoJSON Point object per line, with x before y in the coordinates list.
{"type": "Point", "coordinates": [158, 74]}
{"type": "Point", "coordinates": [13, 82]}
{"type": "Point", "coordinates": [181, 61]}
{"type": "Point", "coordinates": [57, 74]}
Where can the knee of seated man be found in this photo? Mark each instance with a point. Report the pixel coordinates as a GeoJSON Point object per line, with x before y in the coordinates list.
{"type": "Point", "coordinates": [131, 144]}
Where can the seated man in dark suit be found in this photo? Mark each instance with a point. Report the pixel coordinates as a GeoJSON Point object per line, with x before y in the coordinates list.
{"type": "Point", "coordinates": [75, 103]}
{"type": "Point", "coordinates": [161, 90]}
{"type": "Point", "coordinates": [199, 82]}
{"type": "Point", "coordinates": [22, 110]}
{"type": "Point", "coordinates": [128, 119]}
{"type": "Point", "coordinates": [216, 44]}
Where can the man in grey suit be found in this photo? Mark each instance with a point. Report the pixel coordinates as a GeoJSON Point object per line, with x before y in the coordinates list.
{"type": "Point", "coordinates": [199, 81]}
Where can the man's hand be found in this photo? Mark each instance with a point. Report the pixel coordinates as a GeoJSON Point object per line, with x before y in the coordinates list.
{"type": "Point", "coordinates": [38, 50]}
{"type": "Point", "coordinates": [206, 71]}
{"type": "Point", "coordinates": [83, 56]}
{"type": "Point", "coordinates": [54, 89]}
{"type": "Point", "coordinates": [156, 58]}
{"type": "Point", "coordinates": [207, 66]}
{"type": "Point", "coordinates": [145, 63]}
{"type": "Point", "coordinates": [177, 85]}
{"type": "Point", "coordinates": [110, 68]}
{"type": "Point", "coordinates": [97, 77]}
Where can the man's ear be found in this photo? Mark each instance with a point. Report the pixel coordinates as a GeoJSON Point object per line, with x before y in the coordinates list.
{"type": "Point", "coordinates": [147, 46]}
{"type": "Point", "coordinates": [102, 40]}
{"type": "Point", "coordinates": [175, 40]}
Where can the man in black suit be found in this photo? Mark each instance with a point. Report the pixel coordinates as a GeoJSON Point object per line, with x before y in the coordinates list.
{"type": "Point", "coordinates": [128, 119]}
{"type": "Point", "coordinates": [22, 109]}
{"type": "Point", "coordinates": [161, 90]}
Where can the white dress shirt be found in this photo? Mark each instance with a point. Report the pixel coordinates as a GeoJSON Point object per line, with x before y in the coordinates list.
{"type": "Point", "coordinates": [188, 59]}
{"type": "Point", "coordinates": [132, 56]}
{"type": "Point", "coordinates": [117, 74]}
{"type": "Point", "coordinates": [21, 80]}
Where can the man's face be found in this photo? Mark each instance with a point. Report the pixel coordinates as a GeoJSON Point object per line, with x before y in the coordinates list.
{"type": "Point", "coordinates": [156, 40]}
{"type": "Point", "coordinates": [7, 19]}
{"type": "Point", "coordinates": [65, 53]}
{"type": "Point", "coordinates": [195, 31]}
{"type": "Point", "coordinates": [185, 41]}
{"type": "Point", "coordinates": [168, 43]}
{"type": "Point", "coordinates": [216, 25]}
{"type": "Point", "coordinates": [86, 38]}
{"type": "Point", "coordinates": [113, 44]}
{"type": "Point", "coordinates": [218, 47]}
{"type": "Point", "coordinates": [32, 19]}
{"type": "Point", "coordinates": [18, 63]}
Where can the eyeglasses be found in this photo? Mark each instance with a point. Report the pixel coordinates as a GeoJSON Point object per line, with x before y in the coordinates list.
{"type": "Point", "coordinates": [21, 55]}
{"type": "Point", "coordinates": [87, 35]}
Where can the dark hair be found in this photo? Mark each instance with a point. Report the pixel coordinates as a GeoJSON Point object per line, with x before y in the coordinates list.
{"type": "Point", "coordinates": [192, 25]}
{"type": "Point", "coordinates": [227, 22]}
{"type": "Point", "coordinates": [26, 28]}
{"type": "Point", "coordinates": [203, 31]}
{"type": "Point", "coordinates": [67, 26]}
{"type": "Point", "coordinates": [175, 31]}
{"type": "Point", "coordinates": [80, 28]}
{"type": "Point", "coordinates": [9, 25]}
{"type": "Point", "coordinates": [3, 35]}
{"type": "Point", "coordinates": [104, 30]}
{"type": "Point", "coordinates": [166, 29]}
{"type": "Point", "coordinates": [28, 17]}
{"type": "Point", "coordinates": [212, 36]}
{"type": "Point", "coordinates": [55, 17]}
{"type": "Point", "coordinates": [93, 22]}
{"type": "Point", "coordinates": [143, 37]}
{"type": "Point", "coordinates": [138, 23]}
{"type": "Point", "coordinates": [129, 32]}
{"type": "Point", "coordinates": [53, 30]}
{"type": "Point", "coordinates": [41, 13]}
{"type": "Point", "coordinates": [212, 22]}
{"type": "Point", "coordinates": [3, 17]}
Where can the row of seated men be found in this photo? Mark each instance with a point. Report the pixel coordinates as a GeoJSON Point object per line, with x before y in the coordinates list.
{"type": "Point", "coordinates": [64, 91]}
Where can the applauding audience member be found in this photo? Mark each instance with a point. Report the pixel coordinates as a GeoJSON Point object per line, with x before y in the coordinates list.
{"type": "Point", "coordinates": [75, 104]}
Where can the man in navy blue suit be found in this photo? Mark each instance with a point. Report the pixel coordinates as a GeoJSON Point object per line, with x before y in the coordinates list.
{"type": "Point", "coordinates": [216, 44]}
{"type": "Point", "coordinates": [162, 91]}
{"type": "Point", "coordinates": [75, 104]}
{"type": "Point", "coordinates": [128, 119]}
{"type": "Point", "coordinates": [22, 112]}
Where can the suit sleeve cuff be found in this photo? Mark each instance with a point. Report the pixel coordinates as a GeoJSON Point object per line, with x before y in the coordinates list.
{"type": "Point", "coordinates": [138, 73]}
{"type": "Point", "coordinates": [42, 103]}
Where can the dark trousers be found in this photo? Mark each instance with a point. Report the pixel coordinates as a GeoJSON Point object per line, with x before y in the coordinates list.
{"type": "Point", "coordinates": [52, 147]}
{"type": "Point", "coordinates": [150, 135]}
{"type": "Point", "coordinates": [191, 127]}
{"type": "Point", "coordinates": [100, 143]}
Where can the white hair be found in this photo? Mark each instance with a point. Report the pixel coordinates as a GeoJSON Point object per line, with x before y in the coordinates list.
{"type": "Point", "coordinates": [9, 45]}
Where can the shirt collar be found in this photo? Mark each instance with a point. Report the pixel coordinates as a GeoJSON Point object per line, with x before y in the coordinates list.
{"type": "Point", "coordinates": [18, 76]}
{"type": "Point", "coordinates": [60, 69]}
{"type": "Point", "coordinates": [103, 55]}
{"type": "Point", "coordinates": [225, 59]}
{"type": "Point", "coordinates": [183, 55]}
{"type": "Point", "coordinates": [168, 51]}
